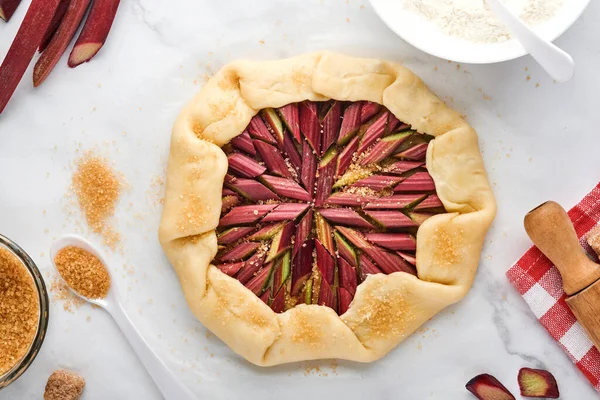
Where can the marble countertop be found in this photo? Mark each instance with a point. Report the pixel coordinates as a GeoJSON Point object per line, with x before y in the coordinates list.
{"type": "Point", "coordinates": [536, 137]}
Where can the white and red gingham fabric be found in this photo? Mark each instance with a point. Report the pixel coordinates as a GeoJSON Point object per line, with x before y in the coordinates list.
{"type": "Point", "coordinates": [540, 284]}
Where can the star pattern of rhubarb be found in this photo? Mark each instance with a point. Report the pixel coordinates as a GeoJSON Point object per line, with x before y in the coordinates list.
{"type": "Point", "coordinates": [320, 195]}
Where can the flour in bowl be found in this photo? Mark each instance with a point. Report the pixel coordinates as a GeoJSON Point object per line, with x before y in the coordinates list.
{"type": "Point", "coordinates": [473, 20]}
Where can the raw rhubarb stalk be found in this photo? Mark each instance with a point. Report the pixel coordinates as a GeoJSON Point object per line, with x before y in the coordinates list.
{"type": "Point", "coordinates": [344, 300]}
{"type": "Point", "coordinates": [251, 267]}
{"type": "Point", "coordinates": [240, 252]}
{"type": "Point", "coordinates": [94, 32]}
{"type": "Point", "coordinates": [346, 156]}
{"type": "Point", "coordinates": [258, 130]}
{"type": "Point", "coordinates": [265, 297]}
{"type": "Point", "coordinates": [278, 303]}
{"type": "Point", "coordinates": [289, 115]}
{"type": "Point", "coordinates": [231, 269]}
{"type": "Point", "coordinates": [30, 34]}
{"type": "Point", "coordinates": [54, 24]}
{"type": "Point", "coordinates": [395, 201]}
{"type": "Point", "coordinates": [229, 202]}
{"type": "Point", "coordinates": [286, 212]}
{"type": "Point", "coordinates": [378, 182]}
{"type": "Point", "coordinates": [325, 262]}
{"type": "Point", "coordinates": [391, 219]}
{"type": "Point", "coordinates": [282, 272]}
{"type": "Point", "coordinates": [327, 168]}
{"type": "Point", "coordinates": [324, 233]}
{"type": "Point", "coordinates": [331, 126]}
{"type": "Point", "coordinates": [368, 110]}
{"type": "Point", "coordinates": [393, 241]}
{"type": "Point", "coordinates": [400, 167]}
{"type": "Point", "coordinates": [418, 182]}
{"type": "Point", "coordinates": [486, 387]}
{"type": "Point", "coordinates": [282, 240]}
{"type": "Point", "coordinates": [410, 258]}
{"type": "Point", "coordinates": [345, 250]}
{"type": "Point", "coordinates": [302, 266]}
{"type": "Point", "coordinates": [417, 152]}
{"type": "Point", "coordinates": [273, 159]}
{"type": "Point", "coordinates": [244, 166]}
{"type": "Point", "coordinates": [431, 202]}
{"type": "Point", "coordinates": [303, 231]}
{"type": "Point", "coordinates": [345, 216]}
{"type": "Point", "coordinates": [389, 262]}
{"type": "Point", "coordinates": [286, 187]}
{"type": "Point", "coordinates": [228, 192]}
{"type": "Point", "coordinates": [375, 131]}
{"type": "Point", "coordinates": [259, 283]}
{"type": "Point", "coordinates": [350, 122]}
{"type": "Point", "coordinates": [60, 40]}
{"type": "Point", "coordinates": [348, 277]}
{"type": "Point", "coordinates": [350, 199]}
{"type": "Point", "coordinates": [246, 214]}
{"type": "Point", "coordinates": [537, 383]}
{"type": "Point", "coordinates": [244, 143]}
{"type": "Point", "coordinates": [309, 168]}
{"type": "Point", "coordinates": [232, 235]}
{"type": "Point", "coordinates": [8, 8]}
{"type": "Point", "coordinates": [392, 123]}
{"type": "Point", "coordinates": [326, 295]}
{"type": "Point", "coordinates": [310, 125]}
{"type": "Point", "coordinates": [252, 190]}
{"type": "Point", "coordinates": [292, 153]}
{"type": "Point", "coordinates": [367, 267]}
{"type": "Point", "coordinates": [274, 124]}
{"type": "Point", "coordinates": [384, 148]}
{"type": "Point", "coordinates": [266, 232]}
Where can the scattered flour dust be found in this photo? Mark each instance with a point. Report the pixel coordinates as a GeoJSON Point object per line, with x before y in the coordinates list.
{"type": "Point", "coordinates": [473, 20]}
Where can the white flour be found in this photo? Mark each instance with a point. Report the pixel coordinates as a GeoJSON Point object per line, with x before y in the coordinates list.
{"type": "Point", "coordinates": [473, 20]}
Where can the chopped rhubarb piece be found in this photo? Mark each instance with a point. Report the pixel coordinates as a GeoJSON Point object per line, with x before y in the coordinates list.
{"type": "Point", "coordinates": [395, 201]}
{"type": "Point", "coordinates": [266, 232]}
{"type": "Point", "coordinates": [375, 131]}
{"type": "Point", "coordinates": [310, 125]}
{"type": "Point", "coordinates": [417, 152]}
{"type": "Point", "coordinates": [286, 212]}
{"type": "Point", "coordinates": [325, 262]}
{"type": "Point", "coordinates": [367, 267]}
{"type": "Point", "coordinates": [418, 182]}
{"type": "Point", "coordinates": [368, 110]}
{"type": "Point", "coordinates": [419, 218]}
{"type": "Point", "coordinates": [308, 292]}
{"type": "Point", "coordinates": [244, 143]}
{"type": "Point", "coordinates": [274, 123]}
{"type": "Point", "coordinates": [229, 202]}
{"type": "Point", "coordinates": [282, 272]}
{"type": "Point", "coordinates": [392, 123]}
{"type": "Point", "coordinates": [350, 123]}
{"type": "Point", "coordinates": [348, 278]}
{"type": "Point", "coordinates": [393, 241]}
{"type": "Point", "coordinates": [94, 32]}
{"type": "Point", "coordinates": [486, 387]}
{"type": "Point", "coordinates": [346, 156]}
{"type": "Point", "coordinates": [251, 267]}
{"type": "Point", "coordinates": [54, 24]}
{"type": "Point", "coordinates": [389, 262]}
{"type": "Point", "coordinates": [232, 235]}
{"type": "Point", "coordinates": [259, 283]}
{"type": "Point", "coordinates": [384, 148]}
{"type": "Point", "coordinates": [324, 233]}
{"type": "Point", "coordinates": [326, 295]}
{"type": "Point", "coordinates": [309, 167]}
{"type": "Point", "coordinates": [400, 167]}
{"type": "Point", "coordinates": [391, 219]}
{"type": "Point", "coordinates": [231, 269]}
{"type": "Point", "coordinates": [537, 383]}
{"type": "Point", "coordinates": [252, 190]}
{"type": "Point", "coordinates": [244, 166]}
{"type": "Point", "coordinates": [378, 182]}
{"type": "Point", "coordinates": [282, 241]}
{"type": "Point", "coordinates": [291, 119]}
{"type": "Point", "coordinates": [292, 153]}
{"type": "Point", "coordinates": [273, 159]}
{"type": "Point", "coordinates": [228, 192]}
{"type": "Point", "coordinates": [302, 266]}
{"type": "Point", "coordinates": [286, 187]}
{"type": "Point", "coordinates": [345, 216]}
{"type": "Point", "coordinates": [60, 41]}
{"type": "Point", "coordinates": [408, 257]}
{"type": "Point", "coordinates": [350, 199]}
{"type": "Point", "coordinates": [258, 130]}
{"type": "Point", "coordinates": [303, 231]}
{"type": "Point", "coordinates": [30, 34]}
{"type": "Point", "coordinates": [240, 252]}
{"type": "Point", "coordinates": [278, 303]}
{"type": "Point", "coordinates": [331, 126]}
{"type": "Point", "coordinates": [431, 202]}
{"type": "Point", "coordinates": [246, 214]}
{"type": "Point", "coordinates": [8, 8]}
{"type": "Point", "coordinates": [230, 178]}
{"type": "Point", "coordinates": [344, 300]}
{"type": "Point", "coordinates": [265, 297]}
{"type": "Point", "coordinates": [355, 237]}
{"type": "Point", "coordinates": [326, 175]}
{"type": "Point", "coordinates": [345, 250]}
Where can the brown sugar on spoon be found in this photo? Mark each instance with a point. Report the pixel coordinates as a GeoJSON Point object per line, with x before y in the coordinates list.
{"type": "Point", "coordinates": [83, 272]}
{"type": "Point", "coordinates": [64, 385]}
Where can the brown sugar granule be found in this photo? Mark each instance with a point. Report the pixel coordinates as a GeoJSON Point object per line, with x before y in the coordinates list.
{"type": "Point", "coordinates": [83, 272]}
{"type": "Point", "coordinates": [64, 385]}
{"type": "Point", "coordinates": [19, 310]}
{"type": "Point", "coordinates": [97, 188]}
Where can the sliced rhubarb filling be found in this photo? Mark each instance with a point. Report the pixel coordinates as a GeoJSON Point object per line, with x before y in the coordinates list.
{"type": "Point", "coordinates": [318, 196]}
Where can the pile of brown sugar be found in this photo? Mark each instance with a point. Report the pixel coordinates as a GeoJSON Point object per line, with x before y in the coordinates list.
{"type": "Point", "coordinates": [83, 272]}
{"type": "Point", "coordinates": [64, 385]}
{"type": "Point", "coordinates": [19, 310]}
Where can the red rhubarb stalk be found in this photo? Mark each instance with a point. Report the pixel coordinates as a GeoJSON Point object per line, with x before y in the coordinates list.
{"type": "Point", "coordinates": [60, 40]}
{"type": "Point", "coordinates": [310, 125]}
{"type": "Point", "coordinates": [325, 262]}
{"type": "Point", "coordinates": [246, 214]}
{"type": "Point", "coordinates": [309, 168]}
{"type": "Point", "coordinates": [289, 115]}
{"type": "Point", "coordinates": [302, 266]}
{"type": "Point", "coordinates": [367, 267]}
{"type": "Point", "coordinates": [251, 267]}
{"type": "Point", "coordinates": [331, 126]}
{"type": "Point", "coordinates": [324, 233]}
{"type": "Point", "coordinates": [326, 175]}
{"type": "Point", "coordinates": [393, 241]}
{"type": "Point", "coordinates": [240, 252]}
{"type": "Point", "coordinates": [292, 153]}
{"type": "Point", "coordinates": [368, 110]}
{"type": "Point", "coordinates": [350, 199]}
{"type": "Point", "coordinates": [348, 278]}
{"type": "Point", "coordinates": [8, 8]}
{"type": "Point", "coordinates": [286, 212]}
{"type": "Point", "coordinates": [344, 300]}
{"type": "Point", "coordinates": [23, 48]}
{"type": "Point", "coordinates": [417, 152]}
{"type": "Point", "coordinates": [244, 166]}
{"type": "Point", "coordinates": [418, 182]}
{"type": "Point", "coordinates": [345, 216]}
{"type": "Point", "coordinates": [346, 156]}
{"type": "Point", "coordinates": [54, 24]}
{"type": "Point", "coordinates": [375, 130]}
{"type": "Point", "coordinates": [231, 269]}
{"type": "Point", "coordinates": [326, 295]}
{"type": "Point", "coordinates": [286, 187]}
{"type": "Point", "coordinates": [266, 232]}
{"type": "Point", "coordinates": [274, 124]}
{"type": "Point", "coordinates": [252, 190]}
{"type": "Point", "coordinates": [258, 130]}
{"type": "Point", "coordinates": [345, 250]}
{"type": "Point", "coordinates": [234, 234]}
{"type": "Point", "coordinates": [350, 123]}
{"type": "Point", "coordinates": [244, 142]}
{"type": "Point", "coordinates": [384, 148]}
{"type": "Point", "coordinates": [431, 202]}
{"type": "Point", "coordinates": [401, 167]}
{"type": "Point", "coordinates": [391, 219]}
{"type": "Point", "coordinates": [281, 241]}
{"type": "Point", "coordinates": [272, 158]}
{"type": "Point", "coordinates": [303, 232]}
{"type": "Point", "coordinates": [378, 182]}
{"type": "Point", "coordinates": [395, 201]}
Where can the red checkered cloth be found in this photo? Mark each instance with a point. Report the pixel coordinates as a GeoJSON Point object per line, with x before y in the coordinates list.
{"type": "Point", "coordinates": [540, 284]}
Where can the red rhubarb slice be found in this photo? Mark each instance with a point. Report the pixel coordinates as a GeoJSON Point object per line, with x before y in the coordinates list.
{"type": "Point", "coordinates": [309, 167]}
{"type": "Point", "coordinates": [367, 267]}
{"type": "Point", "coordinates": [378, 182]}
{"type": "Point", "coordinates": [345, 250]}
{"type": "Point", "coordinates": [350, 123]}
{"type": "Point", "coordinates": [8, 8]}
{"type": "Point", "coordinates": [310, 125]}
{"type": "Point", "coordinates": [331, 126]}
{"type": "Point", "coordinates": [486, 387]}
{"type": "Point", "coordinates": [414, 153]}
{"type": "Point", "coordinates": [273, 124]}
{"type": "Point", "coordinates": [537, 383]}
{"type": "Point", "coordinates": [375, 131]}
{"type": "Point", "coordinates": [393, 241]}
{"type": "Point", "coordinates": [258, 130]}
{"type": "Point", "coordinates": [368, 111]}
{"type": "Point", "coordinates": [345, 216]}
{"type": "Point", "coordinates": [326, 295]}
{"type": "Point", "coordinates": [244, 143]}
{"type": "Point", "coordinates": [282, 241]}
{"type": "Point", "coordinates": [266, 232]}
{"type": "Point", "coordinates": [325, 262]}
{"type": "Point", "coordinates": [347, 156]}
{"type": "Point", "coordinates": [240, 252]}
{"type": "Point", "coordinates": [303, 231]}
{"type": "Point", "coordinates": [348, 277]}
{"type": "Point", "coordinates": [286, 212]}
{"type": "Point", "coordinates": [326, 175]}
{"type": "Point", "coordinates": [391, 219]}
{"type": "Point", "coordinates": [234, 234]}
{"type": "Point", "coordinates": [251, 267]}
{"type": "Point", "coordinates": [384, 148]}
{"type": "Point", "coordinates": [94, 32]}
{"type": "Point", "coordinates": [324, 233]}
{"type": "Point", "coordinates": [244, 166]}
{"type": "Point", "coordinates": [231, 269]}
{"type": "Point", "coordinates": [246, 214]}
{"type": "Point", "coordinates": [259, 283]}
{"type": "Point", "coordinates": [291, 119]}
{"type": "Point", "coordinates": [292, 154]}
{"type": "Point", "coordinates": [350, 199]}
{"type": "Point", "coordinates": [344, 299]}
{"type": "Point", "coordinates": [418, 182]}
{"type": "Point", "coordinates": [431, 202]}
{"type": "Point", "coordinates": [252, 190]}
{"type": "Point", "coordinates": [302, 266]}
{"type": "Point", "coordinates": [273, 159]}
{"type": "Point", "coordinates": [286, 187]}
{"type": "Point", "coordinates": [54, 24]}
{"type": "Point", "coordinates": [395, 201]}
{"type": "Point", "coordinates": [400, 167]}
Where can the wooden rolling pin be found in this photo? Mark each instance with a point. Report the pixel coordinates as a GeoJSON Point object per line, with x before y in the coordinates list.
{"type": "Point", "coordinates": [551, 230]}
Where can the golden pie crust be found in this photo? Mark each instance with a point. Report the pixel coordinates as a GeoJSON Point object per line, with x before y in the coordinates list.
{"type": "Point", "coordinates": [386, 308]}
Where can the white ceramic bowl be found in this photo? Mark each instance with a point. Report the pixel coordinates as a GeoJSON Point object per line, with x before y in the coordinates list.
{"type": "Point", "coordinates": [425, 35]}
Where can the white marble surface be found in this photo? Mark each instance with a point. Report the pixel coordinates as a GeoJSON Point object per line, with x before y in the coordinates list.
{"type": "Point", "coordinates": [538, 143]}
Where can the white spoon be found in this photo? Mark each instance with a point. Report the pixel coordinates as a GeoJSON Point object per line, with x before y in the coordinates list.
{"type": "Point", "coordinates": [167, 383]}
{"type": "Point", "coordinates": [557, 63]}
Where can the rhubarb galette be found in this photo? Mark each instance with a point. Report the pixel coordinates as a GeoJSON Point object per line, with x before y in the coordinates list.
{"type": "Point", "coordinates": [322, 207]}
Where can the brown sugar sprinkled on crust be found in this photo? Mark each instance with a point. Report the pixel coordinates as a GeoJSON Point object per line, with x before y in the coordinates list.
{"type": "Point", "coordinates": [19, 310]}
{"type": "Point", "coordinates": [64, 385]}
{"type": "Point", "coordinates": [448, 245]}
{"type": "Point", "coordinates": [305, 331]}
{"type": "Point", "coordinates": [83, 272]}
